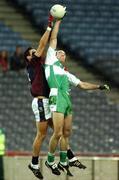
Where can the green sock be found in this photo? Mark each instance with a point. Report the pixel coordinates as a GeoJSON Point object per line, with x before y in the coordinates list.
{"type": "Point", "coordinates": [50, 158]}
{"type": "Point", "coordinates": [63, 156]}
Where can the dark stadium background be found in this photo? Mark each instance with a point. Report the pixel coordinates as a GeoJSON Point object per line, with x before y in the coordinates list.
{"type": "Point", "coordinates": [90, 36]}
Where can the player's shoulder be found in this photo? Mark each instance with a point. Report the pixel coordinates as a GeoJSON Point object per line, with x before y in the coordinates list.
{"type": "Point", "coordinates": [51, 56]}
{"type": "Point", "coordinates": [36, 57]}
{"type": "Point", "coordinates": [35, 60]}
{"type": "Point", "coordinates": [51, 50]}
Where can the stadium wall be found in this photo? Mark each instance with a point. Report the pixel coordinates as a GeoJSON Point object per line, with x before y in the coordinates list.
{"type": "Point", "coordinates": [98, 168]}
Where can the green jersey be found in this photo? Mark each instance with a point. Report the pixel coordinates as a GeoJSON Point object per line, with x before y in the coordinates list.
{"type": "Point", "coordinates": [59, 81]}
{"type": "Point", "coordinates": [56, 75]}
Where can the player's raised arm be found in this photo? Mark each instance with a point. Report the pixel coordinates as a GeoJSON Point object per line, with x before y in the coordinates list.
{"type": "Point", "coordinates": [53, 38]}
{"type": "Point", "coordinates": [44, 39]}
{"type": "Point", "coordinates": [58, 12]}
{"type": "Point", "coordinates": [51, 53]}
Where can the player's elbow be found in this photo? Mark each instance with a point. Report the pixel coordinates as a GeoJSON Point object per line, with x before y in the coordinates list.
{"type": "Point", "coordinates": [82, 85]}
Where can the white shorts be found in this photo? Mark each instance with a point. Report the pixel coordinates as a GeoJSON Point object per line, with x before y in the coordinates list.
{"type": "Point", "coordinates": [41, 109]}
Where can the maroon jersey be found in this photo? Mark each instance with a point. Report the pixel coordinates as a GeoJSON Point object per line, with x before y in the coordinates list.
{"type": "Point", "coordinates": [36, 73]}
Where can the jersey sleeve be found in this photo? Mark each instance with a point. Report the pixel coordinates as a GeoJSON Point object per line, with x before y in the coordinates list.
{"type": "Point", "coordinates": [72, 79]}
{"type": "Point", "coordinates": [51, 56]}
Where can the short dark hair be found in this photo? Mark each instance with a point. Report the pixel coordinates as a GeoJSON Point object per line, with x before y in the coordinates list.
{"type": "Point", "coordinates": [26, 53]}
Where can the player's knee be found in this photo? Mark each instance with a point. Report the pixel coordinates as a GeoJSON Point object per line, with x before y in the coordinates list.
{"type": "Point", "coordinates": [58, 135]}
{"type": "Point", "coordinates": [41, 136]}
{"type": "Point", "coordinates": [67, 133]}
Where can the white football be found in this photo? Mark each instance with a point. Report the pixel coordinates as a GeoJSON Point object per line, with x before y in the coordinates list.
{"type": "Point", "coordinates": [58, 11]}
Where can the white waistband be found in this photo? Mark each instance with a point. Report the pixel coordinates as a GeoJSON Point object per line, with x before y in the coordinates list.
{"type": "Point", "coordinates": [53, 91]}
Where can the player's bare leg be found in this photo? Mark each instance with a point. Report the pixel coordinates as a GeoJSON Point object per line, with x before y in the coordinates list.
{"type": "Point", "coordinates": [63, 164]}
{"type": "Point", "coordinates": [58, 121]}
{"type": "Point", "coordinates": [40, 136]}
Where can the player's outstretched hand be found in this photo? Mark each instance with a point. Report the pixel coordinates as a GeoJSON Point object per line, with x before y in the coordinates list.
{"type": "Point", "coordinates": [104, 87]}
{"type": "Point", "coordinates": [50, 21]}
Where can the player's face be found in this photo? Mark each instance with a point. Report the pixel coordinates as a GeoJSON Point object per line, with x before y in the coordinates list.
{"type": "Point", "coordinates": [61, 55]}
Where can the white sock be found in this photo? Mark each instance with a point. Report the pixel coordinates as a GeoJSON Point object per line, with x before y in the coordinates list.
{"type": "Point", "coordinates": [36, 166]}
{"type": "Point", "coordinates": [63, 163]}
{"type": "Point", "coordinates": [73, 159]}
{"type": "Point", "coordinates": [51, 163]}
